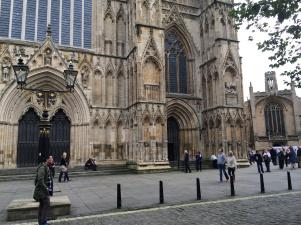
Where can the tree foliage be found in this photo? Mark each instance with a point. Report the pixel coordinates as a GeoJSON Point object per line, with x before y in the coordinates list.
{"type": "Point", "coordinates": [281, 21]}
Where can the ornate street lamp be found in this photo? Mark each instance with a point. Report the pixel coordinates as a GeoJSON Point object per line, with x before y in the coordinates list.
{"type": "Point", "coordinates": [21, 72]}
{"type": "Point", "coordinates": [70, 76]}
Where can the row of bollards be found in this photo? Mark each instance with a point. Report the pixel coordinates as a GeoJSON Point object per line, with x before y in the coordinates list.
{"type": "Point", "coordinates": [289, 182]}
{"type": "Point", "coordinates": [198, 189]}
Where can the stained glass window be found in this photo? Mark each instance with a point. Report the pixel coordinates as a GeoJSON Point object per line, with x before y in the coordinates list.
{"type": "Point", "coordinates": [176, 64]}
{"type": "Point", "coordinates": [42, 20]}
{"type": "Point", "coordinates": [55, 19]}
{"type": "Point", "coordinates": [274, 120]}
{"type": "Point", "coordinates": [65, 23]}
{"type": "Point", "coordinates": [30, 20]}
{"type": "Point", "coordinates": [4, 17]}
{"type": "Point", "coordinates": [87, 23]}
{"type": "Point", "coordinates": [77, 27]}
{"type": "Point", "coordinates": [17, 19]}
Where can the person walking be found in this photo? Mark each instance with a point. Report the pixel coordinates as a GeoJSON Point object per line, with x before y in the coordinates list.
{"type": "Point", "coordinates": [43, 188]}
{"type": "Point", "coordinates": [198, 161]}
{"type": "Point", "coordinates": [221, 161]}
{"type": "Point", "coordinates": [273, 153]}
{"type": "Point", "coordinates": [292, 157]}
{"type": "Point", "coordinates": [258, 159]}
{"type": "Point", "coordinates": [281, 158]}
{"type": "Point", "coordinates": [299, 156]}
{"type": "Point", "coordinates": [186, 162]}
{"type": "Point", "coordinates": [250, 156]}
{"type": "Point", "coordinates": [231, 164]}
{"type": "Point", "coordinates": [267, 160]}
{"type": "Point", "coordinates": [213, 158]}
{"type": "Point", "coordinates": [286, 156]}
{"type": "Point", "coordinates": [64, 168]}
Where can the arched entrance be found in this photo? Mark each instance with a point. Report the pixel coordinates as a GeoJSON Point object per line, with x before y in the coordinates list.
{"type": "Point", "coordinates": [182, 130]}
{"type": "Point", "coordinates": [173, 131]}
{"type": "Point", "coordinates": [15, 102]}
{"type": "Point", "coordinates": [28, 139]}
{"type": "Point", "coordinates": [59, 137]}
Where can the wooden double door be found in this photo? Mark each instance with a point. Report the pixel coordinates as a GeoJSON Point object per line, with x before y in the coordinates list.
{"type": "Point", "coordinates": [32, 145]}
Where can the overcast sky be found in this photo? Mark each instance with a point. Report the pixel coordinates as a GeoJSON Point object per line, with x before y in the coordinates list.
{"type": "Point", "coordinates": [255, 63]}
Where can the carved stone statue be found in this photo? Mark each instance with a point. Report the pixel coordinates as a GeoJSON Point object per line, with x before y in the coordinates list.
{"type": "Point", "coordinates": [230, 88]}
{"type": "Point", "coordinates": [85, 77]}
{"type": "Point", "coordinates": [5, 70]}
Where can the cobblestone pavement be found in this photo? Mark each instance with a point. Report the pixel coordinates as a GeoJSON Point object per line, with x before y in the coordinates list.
{"type": "Point", "coordinates": [95, 195]}
{"type": "Point", "coordinates": [272, 209]}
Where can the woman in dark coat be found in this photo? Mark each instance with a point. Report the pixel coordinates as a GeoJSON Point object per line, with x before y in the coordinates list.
{"type": "Point", "coordinates": [292, 157]}
{"type": "Point", "coordinates": [281, 158]}
{"type": "Point", "coordinates": [198, 161]}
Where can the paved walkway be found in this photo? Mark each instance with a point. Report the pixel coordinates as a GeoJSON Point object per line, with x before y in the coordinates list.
{"type": "Point", "coordinates": [273, 209]}
{"type": "Point", "coordinates": [94, 195]}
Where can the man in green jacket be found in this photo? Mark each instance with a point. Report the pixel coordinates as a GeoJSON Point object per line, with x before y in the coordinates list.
{"type": "Point", "coordinates": [42, 188]}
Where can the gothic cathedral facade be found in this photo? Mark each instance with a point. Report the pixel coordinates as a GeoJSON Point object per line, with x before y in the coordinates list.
{"type": "Point", "coordinates": [155, 77]}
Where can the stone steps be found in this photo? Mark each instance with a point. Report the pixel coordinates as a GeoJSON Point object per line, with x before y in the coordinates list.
{"type": "Point", "coordinates": [30, 173]}
{"type": "Point", "coordinates": [179, 165]}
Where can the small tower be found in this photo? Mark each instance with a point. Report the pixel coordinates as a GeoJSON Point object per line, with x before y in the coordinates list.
{"type": "Point", "coordinates": [270, 82]}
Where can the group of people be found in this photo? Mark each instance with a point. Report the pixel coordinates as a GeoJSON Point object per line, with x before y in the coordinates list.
{"type": "Point", "coordinates": [281, 157]}
{"type": "Point", "coordinates": [198, 162]}
{"type": "Point", "coordinates": [221, 161]}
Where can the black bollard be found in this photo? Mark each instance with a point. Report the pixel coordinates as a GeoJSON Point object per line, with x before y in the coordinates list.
{"type": "Point", "coordinates": [198, 189]}
{"type": "Point", "coordinates": [161, 192]}
{"type": "Point", "coordinates": [262, 183]}
{"type": "Point", "coordinates": [289, 181]}
{"type": "Point", "coordinates": [118, 196]}
{"type": "Point", "coordinates": [232, 186]}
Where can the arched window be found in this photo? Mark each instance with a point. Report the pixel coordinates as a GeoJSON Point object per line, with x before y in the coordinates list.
{"type": "Point", "coordinates": [176, 64]}
{"type": "Point", "coordinates": [274, 120]}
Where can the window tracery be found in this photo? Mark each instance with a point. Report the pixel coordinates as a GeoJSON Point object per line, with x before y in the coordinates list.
{"type": "Point", "coordinates": [176, 64]}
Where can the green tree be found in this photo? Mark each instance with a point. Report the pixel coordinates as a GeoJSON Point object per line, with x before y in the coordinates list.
{"type": "Point", "coordinates": [281, 21]}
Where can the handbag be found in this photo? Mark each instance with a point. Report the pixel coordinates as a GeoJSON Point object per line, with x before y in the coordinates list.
{"type": "Point", "coordinates": [63, 169]}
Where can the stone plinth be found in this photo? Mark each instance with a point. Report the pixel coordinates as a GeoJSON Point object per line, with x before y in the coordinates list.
{"type": "Point", "coordinates": [144, 167]}
{"type": "Point", "coordinates": [22, 209]}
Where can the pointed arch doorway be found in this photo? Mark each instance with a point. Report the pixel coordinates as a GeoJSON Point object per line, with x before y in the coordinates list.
{"type": "Point", "coordinates": [173, 133]}
{"type": "Point", "coordinates": [31, 142]}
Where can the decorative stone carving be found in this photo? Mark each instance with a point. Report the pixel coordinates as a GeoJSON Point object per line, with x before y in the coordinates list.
{"type": "Point", "coordinates": [6, 69]}
{"type": "Point", "coordinates": [151, 47]}
{"type": "Point", "coordinates": [146, 4]}
{"type": "Point", "coordinates": [230, 88]}
{"type": "Point", "coordinates": [109, 11]}
{"type": "Point", "coordinates": [173, 17]}
{"type": "Point", "coordinates": [48, 57]}
{"type": "Point", "coordinates": [229, 61]}
{"type": "Point", "coordinates": [85, 75]}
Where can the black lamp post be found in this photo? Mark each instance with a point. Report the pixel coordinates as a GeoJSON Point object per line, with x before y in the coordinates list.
{"type": "Point", "coordinates": [44, 96]}
{"type": "Point", "coordinates": [21, 72]}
